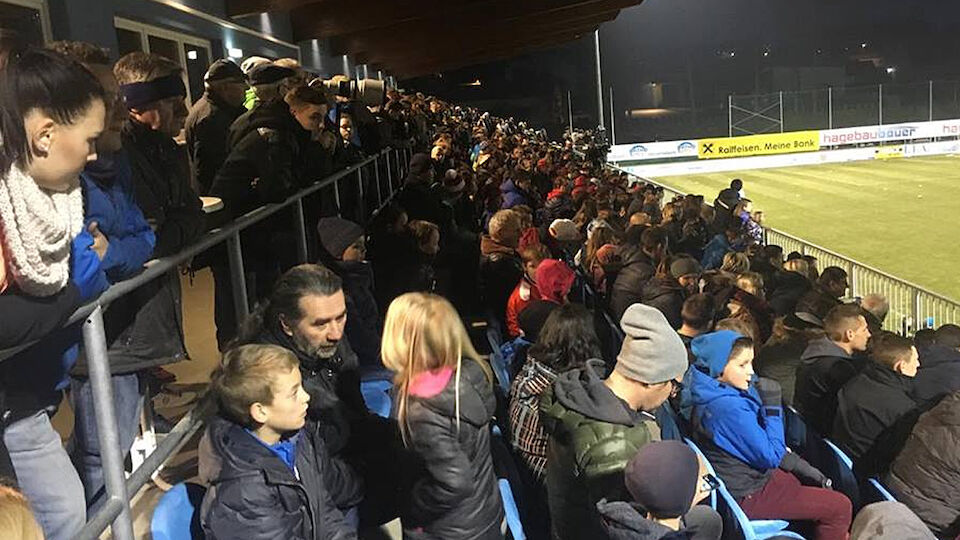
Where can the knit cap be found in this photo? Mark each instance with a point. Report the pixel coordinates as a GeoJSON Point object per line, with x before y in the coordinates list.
{"type": "Point", "coordinates": [337, 234]}
{"type": "Point", "coordinates": [713, 350]}
{"type": "Point", "coordinates": [565, 230]}
{"type": "Point", "coordinates": [652, 352]}
{"type": "Point", "coordinates": [663, 477]}
{"type": "Point", "coordinates": [554, 280]}
{"type": "Point", "coordinates": [685, 266]}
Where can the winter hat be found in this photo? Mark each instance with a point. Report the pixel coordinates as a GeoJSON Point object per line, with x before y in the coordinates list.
{"type": "Point", "coordinates": [452, 181]}
{"type": "Point", "coordinates": [419, 164]}
{"type": "Point", "coordinates": [252, 62]}
{"type": "Point", "coordinates": [713, 350]}
{"type": "Point", "coordinates": [554, 279]}
{"type": "Point", "coordinates": [268, 74]}
{"type": "Point", "coordinates": [685, 266]}
{"type": "Point", "coordinates": [337, 234]}
{"type": "Point", "coordinates": [652, 351]}
{"type": "Point", "coordinates": [565, 230]}
{"type": "Point", "coordinates": [221, 70]}
{"type": "Point", "coordinates": [663, 477]}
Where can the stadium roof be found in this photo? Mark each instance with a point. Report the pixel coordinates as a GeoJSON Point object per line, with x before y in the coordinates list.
{"type": "Point", "coordinates": [418, 37]}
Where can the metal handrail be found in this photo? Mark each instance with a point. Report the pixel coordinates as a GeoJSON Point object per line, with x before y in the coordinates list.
{"type": "Point", "coordinates": [115, 510]}
{"type": "Point", "coordinates": [915, 292]}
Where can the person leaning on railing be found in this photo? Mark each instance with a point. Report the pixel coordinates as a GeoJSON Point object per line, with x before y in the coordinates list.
{"type": "Point", "coordinates": [49, 265]}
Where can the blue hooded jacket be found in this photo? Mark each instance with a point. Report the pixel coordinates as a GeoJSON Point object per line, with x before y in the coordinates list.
{"type": "Point", "coordinates": [512, 196]}
{"type": "Point", "coordinates": [732, 419]}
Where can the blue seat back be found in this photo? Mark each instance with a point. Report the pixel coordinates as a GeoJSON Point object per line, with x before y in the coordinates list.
{"type": "Point", "coordinates": [510, 510]}
{"type": "Point", "coordinates": [874, 491]}
{"type": "Point", "coordinates": [838, 467]}
{"type": "Point", "coordinates": [499, 365]}
{"type": "Point", "coordinates": [175, 516]}
{"type": "Point", "coordinates": [376, 394]}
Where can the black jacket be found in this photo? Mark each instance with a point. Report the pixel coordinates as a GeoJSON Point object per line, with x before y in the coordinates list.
{"type": "Point", "coordinates": [824, 369]}
{"type": "Point", "coordinates": [457, 495]}
{"type": "Point", "coordinates": [145, 328]}
{"type": "Point", "coordinates": [779, 361]}
{"type": "Point", "coordinates": [533, 317]}
{"type": "Point", "coordinates": [363, 316]}
{"type": "Point", "coordinates": [500, 271]}
{"type": "Point", "coordinates": [939, 374]}
{"type": "Point", "coordinates": [422, 203]}
{"type": "Point", "coordinates": [817, 301]}
{"type": "Point", "coordinates": [254, 495]}
{"type": "Point", "coordinates": [789, 288]}
{"type": "Point", "coordinates": [625, 521]}
{"type": "Point", "coordinates": [665, 294]}
{"type": "Point", "coordinates": [636, 270]}
{"type": "Point", "coordinates": [207, 132]}
{"type": "Point", "coordinates": [874, 408]}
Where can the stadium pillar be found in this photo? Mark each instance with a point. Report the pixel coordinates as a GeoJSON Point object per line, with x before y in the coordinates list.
{"type": "Point", "coordinates": [830, 107]}
{"type": "Point", "coordinates": [730, 115]}
{"type": "Point", "coordinates": [781, 111]}
{"type": "Point", "coordinates": [570, 111]}
{"type": "Point", "coordinates": [930, 101]}
{"type": "Point", "coordinates": [880, 103]}
{"type": "Point", "coordinates": [596, 52]}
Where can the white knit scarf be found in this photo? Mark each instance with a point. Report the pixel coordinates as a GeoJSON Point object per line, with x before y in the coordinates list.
{"type": "Point", "coordinates": [37, 227]}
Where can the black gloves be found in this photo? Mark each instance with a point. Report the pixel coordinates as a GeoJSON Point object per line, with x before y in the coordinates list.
{"type": "Point", "coordinates": [807, 473]}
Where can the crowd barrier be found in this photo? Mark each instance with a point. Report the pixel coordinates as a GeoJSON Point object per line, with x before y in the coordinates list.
{"type": "Point", "coordinates": [115, 512]}
{"type": "Point", "coordinates": [912, 307]}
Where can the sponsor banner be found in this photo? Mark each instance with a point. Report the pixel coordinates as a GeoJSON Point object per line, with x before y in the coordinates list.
{"type": "Point", "coordinates": [759, 145]}
{"type": "Point", "coordinates": [893, 132]}
{"type": "Point", "coordinates": [652, 150]}
{"type": "Point", "coordinates": [888, 152]}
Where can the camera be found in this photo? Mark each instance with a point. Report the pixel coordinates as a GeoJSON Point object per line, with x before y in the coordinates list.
{"type": "Point", "coordinates": [369, 92]}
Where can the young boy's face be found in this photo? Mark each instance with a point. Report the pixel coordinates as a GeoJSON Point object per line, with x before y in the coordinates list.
{"type": "Point", "coordinates": [739, 370]}
{"type": "Point", "coordinates": [288, 412]}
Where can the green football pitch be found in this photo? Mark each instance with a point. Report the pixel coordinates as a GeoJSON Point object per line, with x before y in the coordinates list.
{"type": "Point", "coordinates": [901, 216]}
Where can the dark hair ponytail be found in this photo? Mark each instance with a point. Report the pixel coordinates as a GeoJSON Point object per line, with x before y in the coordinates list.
{"type": "Point", "coordinates": [40, 79]}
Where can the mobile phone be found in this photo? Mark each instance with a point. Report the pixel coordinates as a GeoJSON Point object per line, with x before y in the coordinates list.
{"type": "Point", "coordinates": [709, 482]}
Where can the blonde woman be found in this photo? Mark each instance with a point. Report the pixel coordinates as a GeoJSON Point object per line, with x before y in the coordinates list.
{"type": "Point", "coordinates": [16, 519]}
{"type": "Point", "coordinates": [444, 407]}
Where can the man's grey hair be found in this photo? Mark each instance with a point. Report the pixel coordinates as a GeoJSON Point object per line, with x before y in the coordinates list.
{"type": "Point", "coordinates": [876, 304]}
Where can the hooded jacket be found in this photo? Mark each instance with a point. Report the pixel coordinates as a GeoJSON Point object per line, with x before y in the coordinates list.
{"type": "Point", "coordinates": [256, 496]}
{"type": "Point", "coordinates": [874, 408]}
{"type": "Point", "coordinates": [939, 374]}
{"type": "Point", "coordinates": [713, 252]}
{"type": "Point", "coordinates": [207, 131]}
{"type": "Point", "coordinates": [592, 435]}
{"type": "Point", "coordinates": [457, 495]}
{"type": "Point", "coordinates": [742, 443]}
{"type": "Point", "coordinates": [625, 521]}
{"type": "Point", "coordinates": [824, 369]}
{"type": "Point", "coordinates": [926, 474]}
{"type": "Point", "coordinates": [637, 268]}
{"type": "Point", "coordinates": [665, 294]}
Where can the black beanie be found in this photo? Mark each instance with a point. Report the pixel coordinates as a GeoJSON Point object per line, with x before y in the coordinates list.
{"type": "Point", "coordinates": [337, 234]}
{"type": "Point", "coordinates": [662, 477]}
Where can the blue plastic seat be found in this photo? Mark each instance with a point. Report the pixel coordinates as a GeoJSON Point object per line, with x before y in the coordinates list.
{"type": "Point", "coordinates": [175, 516]}
{"type": "Point", "coordinates": [874, 491]}
{"type": "Point", "coordinates": [838, 467]}
{"type": "Point", "coordinates": [376, 394]}
{"type": "Point", "coordinates": [499, 365]}
{"type": "Point", "coordinates": [729, 508]}
{"type": "Point", "coordinates": [510, 510]}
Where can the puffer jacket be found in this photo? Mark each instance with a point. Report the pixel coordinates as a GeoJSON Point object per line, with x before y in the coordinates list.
{"type": "Point", "coordinates": [824, 369]}
{"type": "Point", "coordinates": [256, 496]}
{"type": "Point", "coordinates": [926, 474]}
{"type": "Point", "coordinates": [665, 294]}
{"type": "Point", "coordinates": [512, 195]}
{"type": "Point", "coordinates": [743, 444]}
{"type": "Point", "coordinates": [457, 494]}
{"type": "Point", "coordinates": [592, 434]}
{"type": "Point", "coordinates": [637, 268]}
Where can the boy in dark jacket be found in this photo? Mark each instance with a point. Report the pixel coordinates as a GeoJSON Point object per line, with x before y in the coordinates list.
{"type": "Point", "coordinates": [875, 412]}
{"type": "Point", "coordinates": [273, 474]}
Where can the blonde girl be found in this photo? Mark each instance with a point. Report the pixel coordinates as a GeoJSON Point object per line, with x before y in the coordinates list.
{"type": "Point", "coordinates": [445, 404]}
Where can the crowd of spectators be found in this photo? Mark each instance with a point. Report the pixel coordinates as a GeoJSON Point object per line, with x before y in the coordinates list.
{"type": "Point", "coordinates": [490, 243]}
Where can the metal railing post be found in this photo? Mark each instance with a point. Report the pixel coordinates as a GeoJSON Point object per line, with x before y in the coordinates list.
{"type": "Point", "coordinates": [300, 223]}
{"type": "Point", "coordinates": [376, 176]}
{"type": "Point", "coordinates": [916, 309]}
{"type": "Point", "coordinates": [389, 170]}
{"type": "Point", "coordinates": [238, 278]}
{"type": "Point", "coordinates": [95, 345]}
{"type": "Point", "coordinates": [854, 282]}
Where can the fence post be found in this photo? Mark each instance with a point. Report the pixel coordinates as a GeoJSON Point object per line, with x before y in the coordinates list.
{"type": "Point", "coordinates": [916, 309]}
{"type": "Point", "coordinates": [854, 282]}
{"type": "Point", "coordinates": [300, 223]}
{"type": "Point", "coordinates": [95, 345]}
{"type": "Point", "coordinates": [238, 277]}
{"type": "Point", "coordinates": [336, 196]}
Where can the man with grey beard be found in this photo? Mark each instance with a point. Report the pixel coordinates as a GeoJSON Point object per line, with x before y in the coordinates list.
{"type": "Point", "coordinates": [306, 313]}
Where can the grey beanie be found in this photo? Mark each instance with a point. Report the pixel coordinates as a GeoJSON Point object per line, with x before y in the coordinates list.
{"type": "Point", "coordinates": [652, 352]}
{"type": "Point", "coordinates": [685, 266]}
{"type": "Point", "coordinates": [337, 234]}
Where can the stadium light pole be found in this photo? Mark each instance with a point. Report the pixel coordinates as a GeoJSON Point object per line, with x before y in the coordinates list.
{"type": "Point", "coordinates": [596, 51]}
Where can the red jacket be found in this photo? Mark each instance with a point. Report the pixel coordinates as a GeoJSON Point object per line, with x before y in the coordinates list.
{"type": "Point", "coordinates": [524, 293]}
